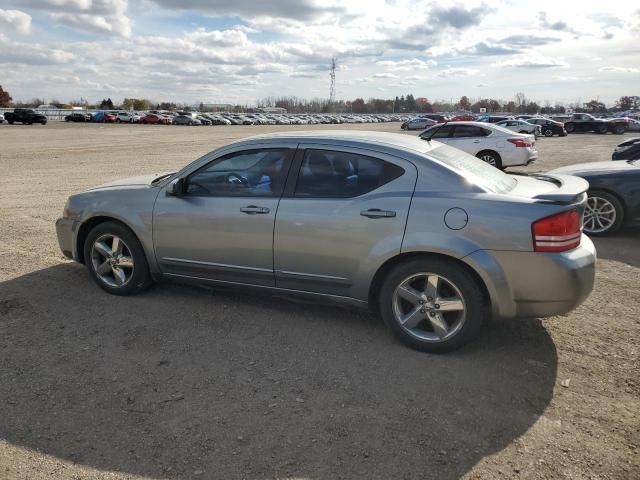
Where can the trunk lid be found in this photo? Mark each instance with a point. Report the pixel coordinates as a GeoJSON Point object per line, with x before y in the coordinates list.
{"type": "Point", "coordinates": [557, 188]}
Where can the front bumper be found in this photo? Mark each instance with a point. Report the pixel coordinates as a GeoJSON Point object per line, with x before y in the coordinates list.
{"type": "Point", "coordinates": [534, 284]}
{"type": "Point", "coordinates": [64, 230]}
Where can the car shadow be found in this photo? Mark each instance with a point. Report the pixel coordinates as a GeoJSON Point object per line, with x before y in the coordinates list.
{"type": "Point", "coordinates": [620, 247]}
{"type": "Point", "coordinates": [184, 382]}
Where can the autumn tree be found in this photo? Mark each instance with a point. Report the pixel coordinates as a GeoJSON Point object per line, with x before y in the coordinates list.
{"type": "Point", "coordinates": [5, 98]}
{"type": "Point", "coordinates": [423, 105]}
{"type": "Point", "coordinates": [595, 106]}
{"type": "Point", "coordinates": [628, 102]}
{"type": "Point", "coordinates": [464, 103]}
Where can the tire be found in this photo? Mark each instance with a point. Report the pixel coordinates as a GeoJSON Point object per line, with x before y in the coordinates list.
{"type": "Point", "coordinates": [43, 123]}
{"type": "Point", "coordinates": [490, 157]}
{"type": "Point", "coordinates": [523, 131]}
{"type": "Point", "coordinates": [569, 127]}
{"type": "Point", "coordinates": [136, 277]}
{"type": "Point", "coordinates": [548, 132]}
{"type": "Point", "coordinates": [601, 129]}
{"type": "Point", "coordinates": [118, 120]}
{"type": "Point", "coordinates": [10, 122]}
{"type": "Point", "coordinates": [463, 324]}
{"type": "Point", "coordinates": [594, 222]}
{"type": "Point", "coordinates": [619, 129]}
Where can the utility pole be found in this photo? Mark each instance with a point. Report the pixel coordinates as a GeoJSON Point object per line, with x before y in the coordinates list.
{"type": "Point", "coordinates": [332, 86]}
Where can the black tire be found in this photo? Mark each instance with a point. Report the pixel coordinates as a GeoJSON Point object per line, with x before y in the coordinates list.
{"type": "Point", "coordinates": [140, 278]}
{"type": "Point", "coordinates": [490, 157]}
{"type": "Point", "coordinates": [569, 127]}
{"type": "Point", "coordinates": [548, 132]}
{"type": "Point", "coordinates": [43, 123]}
{"type": "Point", "coordinates": [118, 120]}
{"type": "Point", "coordinates": [601, 129]}
{"type": "Point", "coordinates": [475, 305]}
{"type": "Point", "coordinates": [617, 205]}
{"type": "Point", "coordinates": [619, 129]}
{"type": "Point", "coordinates": [10, 122]}
{"type": "Point", "coordinates": [523, 131]}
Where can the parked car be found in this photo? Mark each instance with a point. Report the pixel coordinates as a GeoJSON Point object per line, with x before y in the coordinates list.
{"type": "Point", "coordinates": [492, 118]}
{"type": "Point", "coordinates": [203, 120]}
{"type": "Point", "coordinates": [520, 126]}
{"type": "Point", "coordinates": [614, 196]}
{"type": "Point", "coordinates": [549, 127]}
{"type": "Point", "coordinates": [1, 117]}
{"type": "Point", "coordinates": [344, 224]}
{"type": "Point", "coordinates": [463, 118]}
{"type": "Point", "coordinates": [584, 122]}
{"type": "Point", "coordinates": [627, 150]}
{"type": "Point", "coordinates": [153, 119]}
{"type": "Point", "coordinates": [128, 117]}
{"type": "Point", "coordinates": [434, 116]}
{"type": "Point", "coordinates": [494, 144]}
{"type": "Point", "coordinates": [78, 117]}
{"type": "Point", "coordinates": [26, 116]}
{"type": "Point", "coordinates": [186, 120]}
{"type": "Point", "coordinates": [419, 123]}
{"type": "Point", "coordinates": [633, 125]}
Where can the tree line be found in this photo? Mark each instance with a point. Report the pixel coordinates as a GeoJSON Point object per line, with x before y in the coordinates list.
{"type": "Point", "coordinates": [402, 104]}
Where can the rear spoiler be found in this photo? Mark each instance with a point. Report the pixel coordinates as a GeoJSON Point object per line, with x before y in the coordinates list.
{"type": "Point", "coordinates": [570, 188]}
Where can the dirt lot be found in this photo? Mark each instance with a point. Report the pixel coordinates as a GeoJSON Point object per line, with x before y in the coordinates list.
{"type": "Point", "coordinates": [187, 382]}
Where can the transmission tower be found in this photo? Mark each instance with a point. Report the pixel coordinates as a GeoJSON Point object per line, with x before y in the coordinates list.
{"type": "Point", "coordinates": [332, 75]}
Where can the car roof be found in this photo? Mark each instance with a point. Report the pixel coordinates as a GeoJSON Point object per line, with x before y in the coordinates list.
{"type": "Point", "coordinates": [362, 138]}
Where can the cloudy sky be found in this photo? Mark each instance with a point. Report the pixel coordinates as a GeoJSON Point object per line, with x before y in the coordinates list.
{"type": "Point", "coordinates": [242, 50]}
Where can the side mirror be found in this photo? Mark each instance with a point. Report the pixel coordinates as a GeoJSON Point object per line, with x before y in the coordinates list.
{"type": "Point", "coordinates": [176, 188]}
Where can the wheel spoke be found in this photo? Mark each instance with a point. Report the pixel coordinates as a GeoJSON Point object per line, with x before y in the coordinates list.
{"type": "Point", "coordinates": [116, 246]}
{"type": "Point", "coordinates": [431, 287]}
{"type": "Point", "coordinates": [118, 275]}
{"type": "Point", "coordinates": [409, 294]}
{"type": "Point", "coordinates": [103, 268]}
{"type": "Point", "coordinates": [413, 318]}
{"type": "Point", "coordinates": [102, 249]}
{"type": "Point", "coordinates": [439, 325]}
{"type": "Point", "coordinates": [453, 304]}
{"type": "Point", "coordinates": [126, 262]}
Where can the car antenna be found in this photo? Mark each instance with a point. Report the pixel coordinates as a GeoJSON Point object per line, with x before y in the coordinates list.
{"type": "Point", "coordinates": [428, 139]}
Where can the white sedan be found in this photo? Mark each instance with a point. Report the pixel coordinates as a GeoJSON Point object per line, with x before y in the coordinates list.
{"type": "Point", "coordinates": [418, 123]}
{"type": "Point", "coordinates": [520, 126]}
{"type": "Point", "coordinates": [489, 142]}
{"type": "Point", "coordinates": [128, 117]}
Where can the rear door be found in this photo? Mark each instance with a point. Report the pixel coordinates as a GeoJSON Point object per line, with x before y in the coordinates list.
{"type": "Point", "coordinates": [468, 138]}
{"type": "Point", "coordinates": [345, 211]}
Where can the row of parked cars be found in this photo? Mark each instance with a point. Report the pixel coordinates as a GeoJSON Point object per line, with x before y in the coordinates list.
{"type": "Point", "coordinates": [225, 118]}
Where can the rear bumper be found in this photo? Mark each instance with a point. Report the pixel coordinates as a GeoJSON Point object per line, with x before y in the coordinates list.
{"type": "Point", "coordinates": [519, 156]}
{"type": "Point", "coordinates": [531, 284]}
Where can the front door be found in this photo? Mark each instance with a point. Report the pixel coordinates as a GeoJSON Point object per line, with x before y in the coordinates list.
{"type": "Point", "coordinates": [347, 210]}
{"type": "Point", "coordinates": [222, 227]}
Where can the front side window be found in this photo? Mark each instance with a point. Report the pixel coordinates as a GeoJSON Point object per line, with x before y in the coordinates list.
{"type": "Point", "coordinates": [467, 131]}
{"type": "Point", "coordinates": [332, 174]}
{"type": "Point", "coordinates": [443, 131]}
{"type": "Point", "coordinates": [260, 173]}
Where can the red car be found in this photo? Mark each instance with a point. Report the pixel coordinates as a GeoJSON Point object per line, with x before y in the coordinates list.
{"type": "Point", "coordinates": [152, 118]}
{"type": "Point", "coordinates": [463, 118]}
{"type": "Point", "coordinates": [110, 118]}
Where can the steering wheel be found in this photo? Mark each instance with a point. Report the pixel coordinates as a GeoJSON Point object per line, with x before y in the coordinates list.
{"type": "Point", "coordinates": [236, 179]}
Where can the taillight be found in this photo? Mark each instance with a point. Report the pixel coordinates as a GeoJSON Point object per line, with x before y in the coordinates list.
{"type": "Point", "coordinates": [557, 233]}
{"type": "Point", "coordinates": [562, 125]}
{"type": "Point", "coordinates": [519, 142]}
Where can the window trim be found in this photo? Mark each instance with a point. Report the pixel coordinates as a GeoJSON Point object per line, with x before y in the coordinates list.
{"type": "Point", "coordinates": [290, 152]}
{"type": "Point", "coordinates": [296, 166]}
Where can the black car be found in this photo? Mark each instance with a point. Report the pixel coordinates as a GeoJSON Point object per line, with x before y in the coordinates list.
{"type": "Point", "coordinates": [584, 122]}
{"type": "Point", "coordinates": [549, 127]}
{"type": "Point", "coordinates": [627, 150]}
{"type": "Point", "coordinates": [78, 117]}
{"type": "Point", "coordinates": [614, 196]}
{"type": "Point", "coordinates": [26, 116]}
{"type": "Point", "coordinates": [493, 119]}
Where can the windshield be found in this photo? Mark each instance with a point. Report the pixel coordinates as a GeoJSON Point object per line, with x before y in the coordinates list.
{"type": "Point", "coordinates": [474, 170]}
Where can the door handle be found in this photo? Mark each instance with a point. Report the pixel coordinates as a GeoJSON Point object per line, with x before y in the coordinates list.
{"type": "Point", "coordinates": [253, 210]}
{"type": "Point", "coordinates": [476, 141]}
{"type": "Point", "coordinates": [377, 213]}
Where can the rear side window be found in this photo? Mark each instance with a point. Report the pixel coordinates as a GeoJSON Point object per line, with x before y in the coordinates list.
{"type": "Point", "coordinates": [332, 174]}
{"type": "Point", "coordinates": [468, 131]}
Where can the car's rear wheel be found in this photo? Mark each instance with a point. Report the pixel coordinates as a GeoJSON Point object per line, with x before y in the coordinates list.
{"type": "Point", "coordinates": [569, 127]}
{"type": "Point", "coordinates": [492, 158]}
{"type": "Point", "coordinates": [116, 260]}
{"type": "Point", "coordinates": [548, 132]}
{"type": "Point", "coordinates": [432, 305]}
{"type": "Point", "coordinates": [601, 129]}
{"type": "Point", "coordinates": [603, 213]}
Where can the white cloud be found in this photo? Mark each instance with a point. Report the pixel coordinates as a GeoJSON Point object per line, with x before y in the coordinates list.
{"type": "Point", "coordinates": [458, 72]}
{"type": "Point", "coordinates": [533, 62]}
{"type": "Point", "coordinates": [408, 64]}
{"type": "Point", "coordinates": [15, 20]}
{"type": "Point", "coordinates": [620, 69]}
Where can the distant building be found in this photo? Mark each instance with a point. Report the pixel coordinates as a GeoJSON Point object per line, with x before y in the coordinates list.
{"type": "Point", "coordinates": [213, 107]}
{"type": "Point", "coordinates": [272, 110]}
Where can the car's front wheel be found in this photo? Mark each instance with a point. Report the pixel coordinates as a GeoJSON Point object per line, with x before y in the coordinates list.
{"type": "Point", "coordinates": [603, 213]}
{"type": "Point", "coordinates": [619, 129]}
{"type": "Point", "coordinates": [548, 132]}
{"type": "Point", "coordinates": [116, 260]}
{"type": "Point", "coordinates": [432, 305]}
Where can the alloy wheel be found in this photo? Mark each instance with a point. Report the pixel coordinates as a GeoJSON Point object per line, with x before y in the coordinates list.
{"type": "Point", "coordinates": [429, 307]}
{"type": "Point", "coordinates": [490, 159]}
{"type": "Point", "coordinates": [599, 215]}
{"type": "Point", "coordinates": [112, 260]}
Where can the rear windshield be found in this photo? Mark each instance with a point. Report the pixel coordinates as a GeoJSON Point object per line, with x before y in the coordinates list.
{"type": "Point", "coordinates": [473, 169]}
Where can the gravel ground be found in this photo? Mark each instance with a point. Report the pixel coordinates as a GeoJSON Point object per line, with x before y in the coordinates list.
{"type": "Point", "coordinates": [187, 382]}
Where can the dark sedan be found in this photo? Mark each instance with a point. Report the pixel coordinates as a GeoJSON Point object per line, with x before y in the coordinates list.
{"type": "Point", "coordinates": [78, 117]}
{"type": "Point", "coordinates": [627, 150]}
{"type": "Point", "coordinates": [549, 127]}
{"type": "Point", "coordinates": [614, 194]}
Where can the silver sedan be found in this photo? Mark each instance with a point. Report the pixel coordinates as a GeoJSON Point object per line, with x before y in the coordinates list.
{"type": "Point", "coordinates": [432, 238]}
